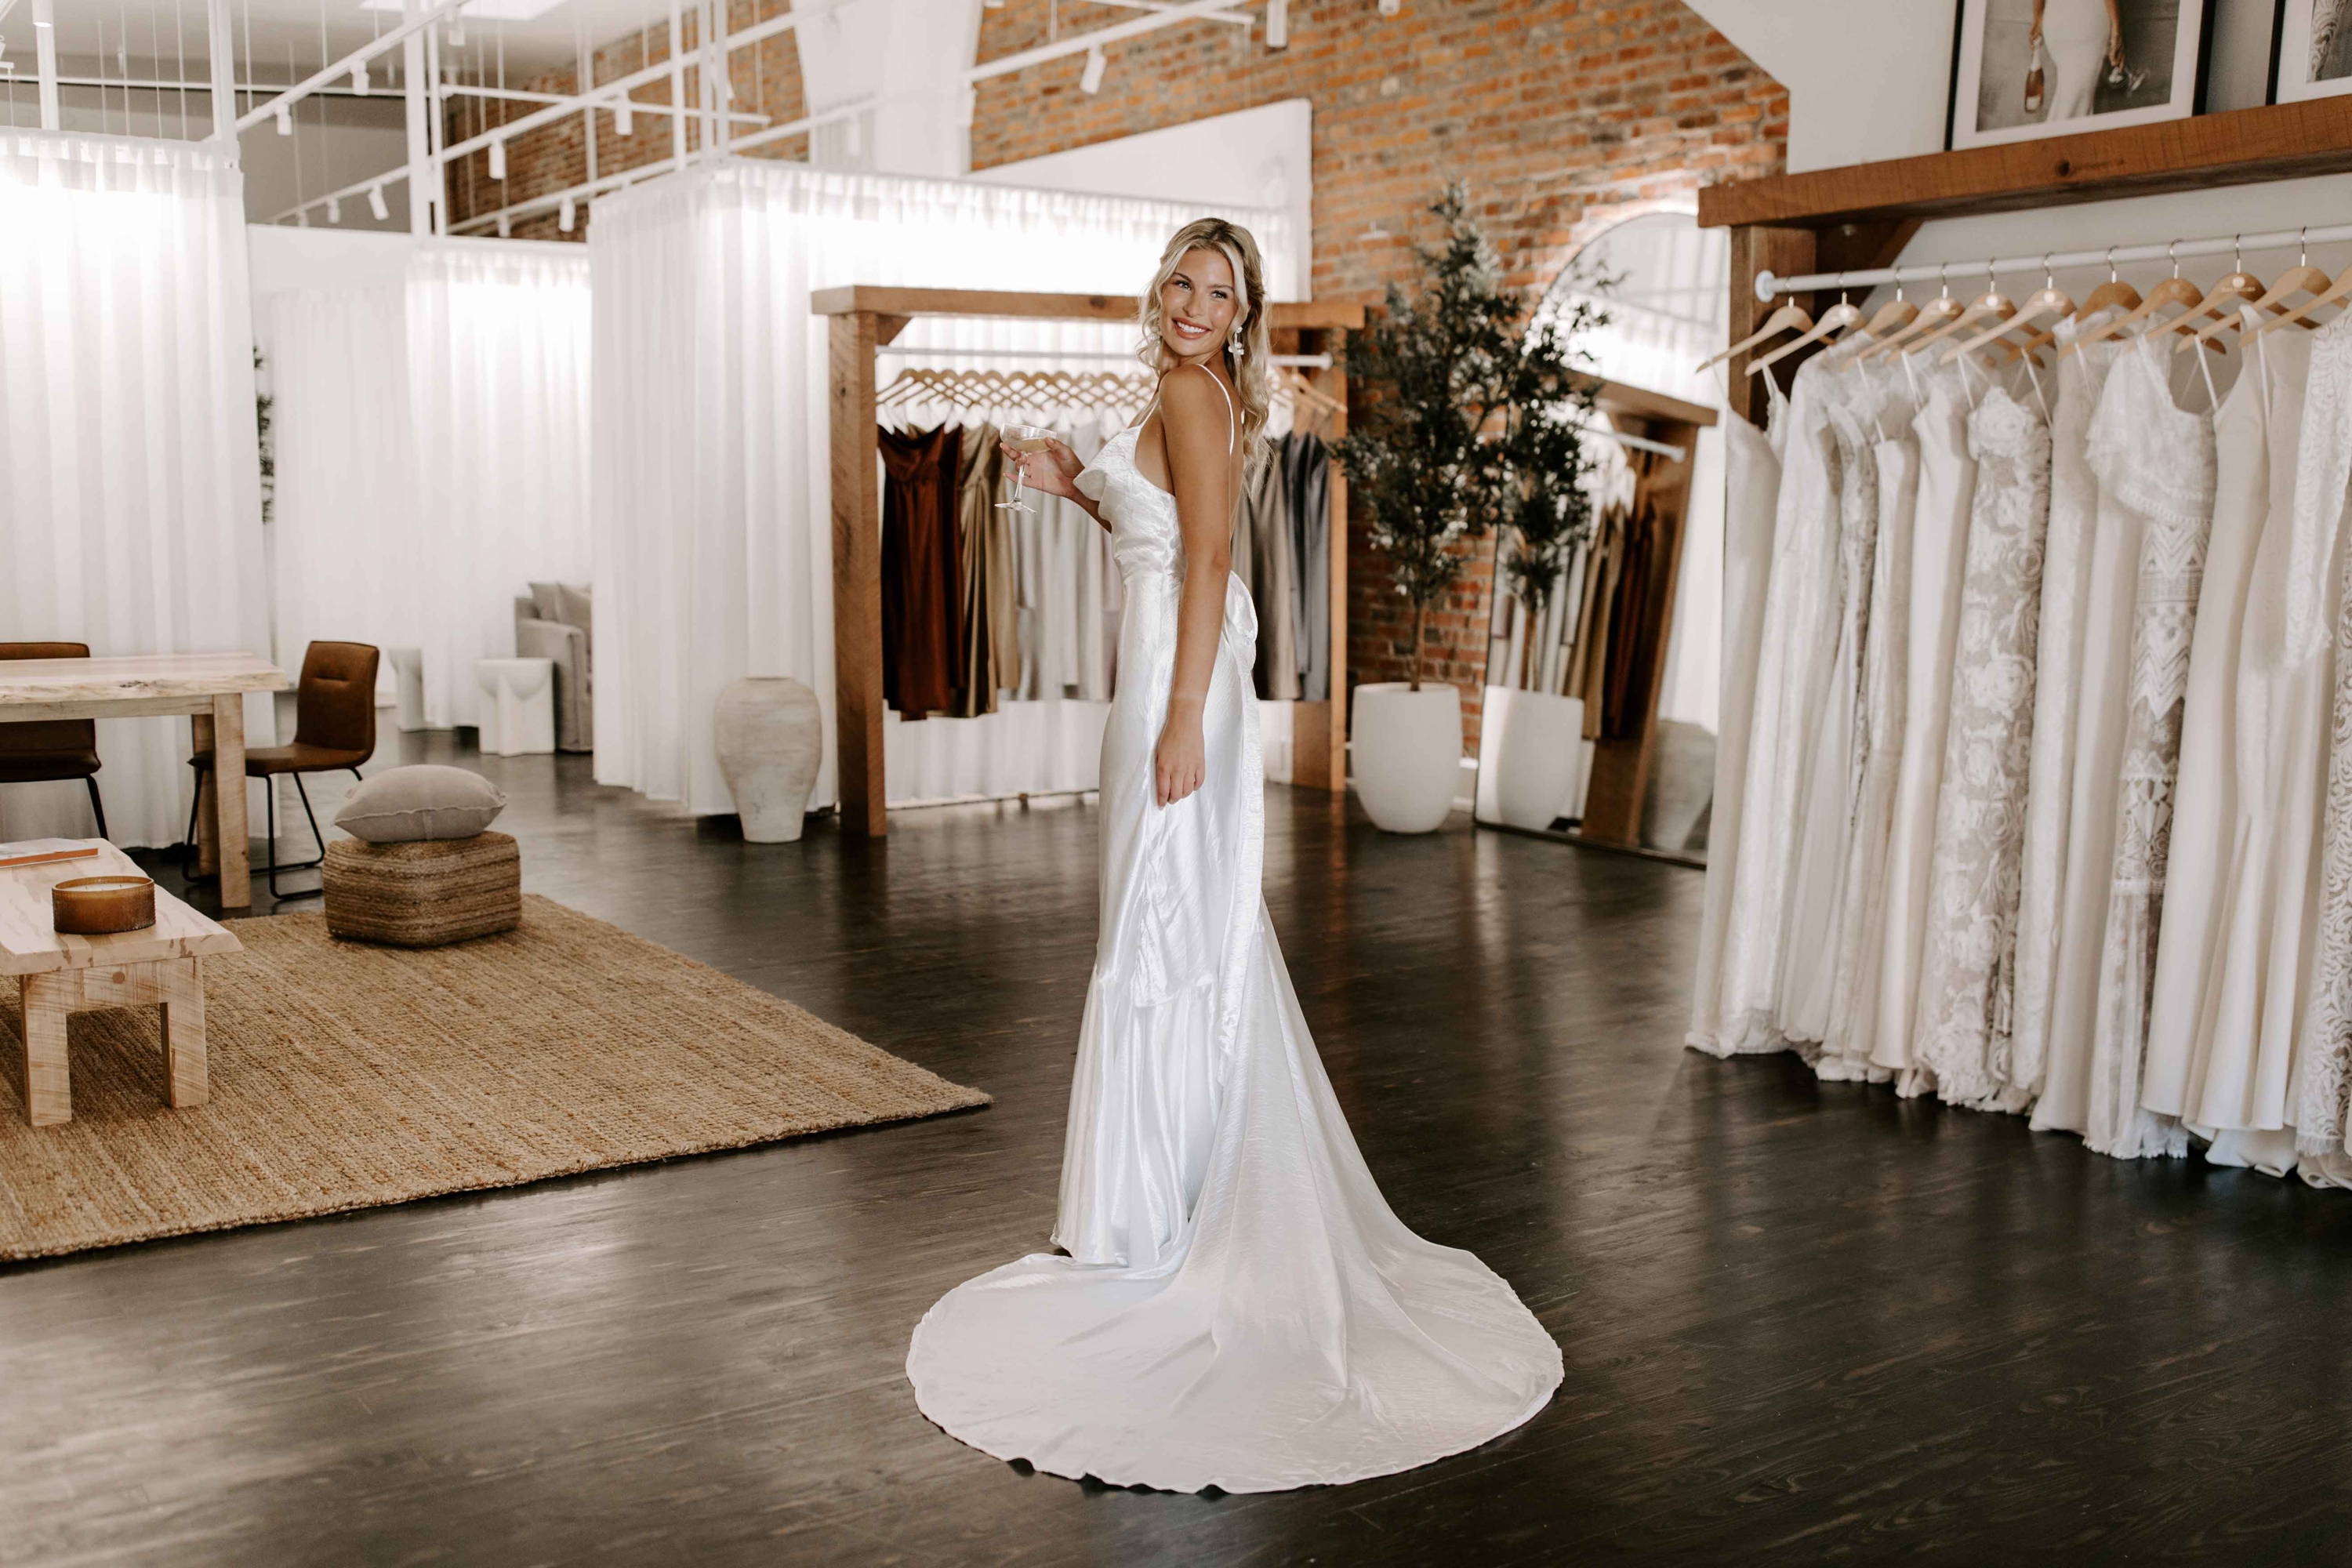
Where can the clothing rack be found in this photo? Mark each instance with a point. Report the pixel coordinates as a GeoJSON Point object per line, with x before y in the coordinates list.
{"type": "Point", "coordinates": [1827, 229]}
{"type": "Point", "coordinates": [866, 322]}
{"type": "Point", "coordinates": [1768, 286]}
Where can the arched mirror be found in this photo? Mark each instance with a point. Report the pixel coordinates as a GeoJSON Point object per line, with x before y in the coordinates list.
{"type": "Point", "coordinates": [1600, 710]}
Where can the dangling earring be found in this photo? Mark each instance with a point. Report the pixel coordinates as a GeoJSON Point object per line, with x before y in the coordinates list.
{"type": "Point", "coordinates": [1234, 348]}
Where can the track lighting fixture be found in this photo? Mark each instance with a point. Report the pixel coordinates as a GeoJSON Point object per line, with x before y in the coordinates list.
{"type": "Point", "coordinates": [360, 79]}
{"type": "Point", "coordinates": [1391, 8]}
{"type": "Point", "coordinates": [334, 209]}
{"type": "Point", "coordinates": [624, 120]}
{"type": "Point", "coordinates": [375, 205]}
{"type": "Point", "coordinates": [564, 215]}
{"type": "Point", "coordinates": [506, 227]}
{"type": "Point", "coordinates": [1096, 65]}
{"type": "Point", "coordinates": [285, 121]}
{"type": "Point", "coordinates": [497, 158]}
{"type": "Point", "coordinates": [1277, 24]}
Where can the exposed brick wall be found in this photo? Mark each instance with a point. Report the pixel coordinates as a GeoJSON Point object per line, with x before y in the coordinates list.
{"type": "Point", "coordinates": [1560, 115]}
{"type": "Point", "coordinates": [766, 78]}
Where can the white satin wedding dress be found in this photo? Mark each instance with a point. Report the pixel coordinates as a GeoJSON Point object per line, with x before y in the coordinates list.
{"type": "Point", "coordinates": [1239, 1306]}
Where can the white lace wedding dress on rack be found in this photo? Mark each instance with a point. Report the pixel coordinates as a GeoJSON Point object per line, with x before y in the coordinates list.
{"type": "Point", "coordinates": [1239, 1307]}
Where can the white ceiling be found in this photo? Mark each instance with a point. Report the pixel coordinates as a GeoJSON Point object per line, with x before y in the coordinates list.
{"type": "Point", "coordinates": [145, 31]}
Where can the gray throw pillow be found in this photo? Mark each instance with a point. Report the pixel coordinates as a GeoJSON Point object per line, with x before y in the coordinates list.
{"type": "Point", "coordinates": [406, 805]}
{"type": "Point", "coordinates": [572, 599]}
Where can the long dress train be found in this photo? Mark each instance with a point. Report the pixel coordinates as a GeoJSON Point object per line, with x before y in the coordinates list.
{"type": "Point", "coordinates": [1240, 1308]}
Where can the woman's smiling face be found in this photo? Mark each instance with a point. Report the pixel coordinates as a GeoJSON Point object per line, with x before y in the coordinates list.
{"type": "Point", "coordinates": [1198, 304]}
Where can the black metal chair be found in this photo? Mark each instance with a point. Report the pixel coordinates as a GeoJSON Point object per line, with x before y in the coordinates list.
{"type": "Point", "coordinates": [52, 749]}
{"type": "Point", "coordinates": [334, 728]}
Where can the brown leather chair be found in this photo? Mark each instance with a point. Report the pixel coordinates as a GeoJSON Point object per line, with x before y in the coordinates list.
{"type": "Point", "coordinates": [49, 748]}
{"type": "Point", "coordinates": [334, 728]}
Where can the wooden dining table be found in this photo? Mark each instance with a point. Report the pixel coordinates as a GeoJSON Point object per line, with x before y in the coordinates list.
{"type": "Point", "coordinates": [209, 687]}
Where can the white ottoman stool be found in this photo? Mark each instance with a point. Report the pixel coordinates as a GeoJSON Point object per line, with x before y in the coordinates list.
{"type": "Point", "coordinates": [407, 686]}
{"type": "Point", "coordinates": [517, 705]}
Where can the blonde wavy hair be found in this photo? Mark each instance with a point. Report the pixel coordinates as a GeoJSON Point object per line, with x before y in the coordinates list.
{"type": "Point", "coordinates": [1253, 375]}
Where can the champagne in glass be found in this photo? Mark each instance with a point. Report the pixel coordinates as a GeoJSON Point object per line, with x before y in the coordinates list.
{"type": "Point", "coordinates": [1023, 438]}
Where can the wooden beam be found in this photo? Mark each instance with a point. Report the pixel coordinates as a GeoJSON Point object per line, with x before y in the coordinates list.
{"type": "Point", "coordinates": [856, 579]}
{"type": "Point", "coordinates": [2240, 146]}
{"type": "Point", "coordinates": [895, 301]}
{"type": "Point", "coordinates": [1616, 397]}
{"type": "Point", "coordinates": [1787, 252]}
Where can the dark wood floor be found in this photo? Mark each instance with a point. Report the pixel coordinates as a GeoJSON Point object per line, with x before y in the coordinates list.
{"type": "Point", "coordinates": [1802, 1322]}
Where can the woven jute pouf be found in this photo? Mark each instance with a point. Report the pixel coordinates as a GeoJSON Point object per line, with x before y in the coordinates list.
{"type": "Point", "coordinates": [425, 894]}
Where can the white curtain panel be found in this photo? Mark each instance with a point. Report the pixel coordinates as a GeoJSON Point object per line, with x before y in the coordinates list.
{"type": "Point", "coordinates": [431, 439]}
{"type": "Point", "coordinates": [345, 555]}
{"type": "Point", "coordinates": [130, 475]}
{"type": "Point", "coordinates": [712, 489]}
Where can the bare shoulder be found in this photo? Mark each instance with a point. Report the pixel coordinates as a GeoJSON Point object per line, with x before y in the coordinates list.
{"type": "Point", "coordinates": [1195, 405]}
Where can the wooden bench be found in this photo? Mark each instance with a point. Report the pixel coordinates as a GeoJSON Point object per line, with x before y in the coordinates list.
{"type": "Point", "coordinates": [57, 975]}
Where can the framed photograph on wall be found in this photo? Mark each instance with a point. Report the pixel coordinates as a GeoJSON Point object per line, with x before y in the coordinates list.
{"type": "Point", "coordinates": [2028, 68]}
{"type": "Point", "coordinates": [2311, 49]}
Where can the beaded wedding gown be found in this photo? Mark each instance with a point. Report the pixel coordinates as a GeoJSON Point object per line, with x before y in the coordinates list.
{"type": "Point", "coordinates": [1239, 1306]}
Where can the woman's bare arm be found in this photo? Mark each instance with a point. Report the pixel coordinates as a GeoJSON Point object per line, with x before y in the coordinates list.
{"type": "Point", "coordinates": [1197, 431]}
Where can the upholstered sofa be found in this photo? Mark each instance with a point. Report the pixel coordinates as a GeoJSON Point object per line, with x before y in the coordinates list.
{"type": "Point", "coordinates": [554, 622]}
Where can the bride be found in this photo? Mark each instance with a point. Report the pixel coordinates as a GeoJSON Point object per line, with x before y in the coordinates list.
{"type": "Point", "coordinates": [1238, 1307]}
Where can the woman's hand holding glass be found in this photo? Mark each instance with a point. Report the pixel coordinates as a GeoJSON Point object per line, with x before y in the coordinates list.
{"type": "Point", "coordinates": [1048, 465]}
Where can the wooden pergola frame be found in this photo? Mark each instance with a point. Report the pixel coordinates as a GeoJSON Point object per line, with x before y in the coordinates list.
{"type": "Point", "coordinates": [864, 318]}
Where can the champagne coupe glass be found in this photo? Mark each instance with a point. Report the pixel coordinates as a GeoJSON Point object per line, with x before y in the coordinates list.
{"type": "Point", "coordinates": [1024, 439]}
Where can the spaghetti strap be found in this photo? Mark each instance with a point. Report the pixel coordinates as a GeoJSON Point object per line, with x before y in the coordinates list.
{"type": "Point", "coordinates": [1213, 376]}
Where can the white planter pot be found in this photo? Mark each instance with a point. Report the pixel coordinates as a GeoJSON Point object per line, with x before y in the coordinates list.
{"type": "Point", "coordinates": [1405, 751]}
{"type": "Point", "coordinates": [771, 737]}
{"type": "Point", "coordinates": [1538, 756]}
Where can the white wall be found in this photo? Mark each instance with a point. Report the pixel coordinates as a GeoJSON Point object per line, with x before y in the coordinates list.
{"type": "Point", "coordinates": [1261, 157]}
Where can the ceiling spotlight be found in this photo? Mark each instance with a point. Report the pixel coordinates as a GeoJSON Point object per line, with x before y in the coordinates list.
{"type": "Point", "coordinates": [564, 215]}
{"type": "Point", "coordinates": [285, 121]}
{"type": "Point", "coordinates": [497, 158]}
{"type": "Point", "coordinates": [1096, 65]}
{"type": "Point", "coordinates": [375, 205]}
{"type": "Point", "coordinates": [1391, 8]}
{"type": "Point", "coordinates": [457, 25]}
{"type": "Point", "coordinates": [1277, 24]}
{"type": "Point", "coordinates": [506, 227]}
{"type": "Point", "coordinates": [624, 121]}
{"type": "Point", "coordinates": [360, 76]}
{"type": "Point", "coordinates": [334, 209]}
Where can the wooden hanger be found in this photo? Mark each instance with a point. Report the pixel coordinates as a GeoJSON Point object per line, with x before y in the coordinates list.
{"type": "Point", "coordinates": [2302, 277]}
{"type": "Point", "coordinates": [2238, 288]}
{"type": "Point", "coordinates": [1939, 312]}
{"type": "Point", "coordinates": [1837, 318]}
{"type": "Point", "coordinates": [2174, 290]}
{"type": "Point", "coordinates": [1789, 318]}
{"type": "Point", "coordinates": [2336, 293]}
{"type": "Point", "coordinates": [1991, 305]}
{"type": "Point", "coordinates": [2050, 302]}
{"type": "Point", "coordinates": [2113, 292]}
{"type": "Point", "coordinates": [1894, 316]}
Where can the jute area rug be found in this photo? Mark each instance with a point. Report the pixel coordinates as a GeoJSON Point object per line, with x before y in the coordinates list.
{"type": "Point", "coordinates": [346, 1076]}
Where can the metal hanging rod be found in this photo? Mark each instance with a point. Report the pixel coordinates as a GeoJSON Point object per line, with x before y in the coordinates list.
{"type": "Point", "coordinates": [1639, 443]}
{"type": "Point", "coordinates": [1302, 362]}
{"type": "Point", "coordinates": [1768, 286]}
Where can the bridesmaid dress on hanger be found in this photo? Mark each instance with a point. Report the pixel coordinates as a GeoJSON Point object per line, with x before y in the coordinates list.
{"type": "Point", "coordinates": [1964, 972]}
{"type": "Point", "coordinates": [2178, 502]}
{"type": "Point", "coordinates": [2146, 452]}
{"type": "Point", "coordinates": [1800, 607]}
{"type": "Point", "coordinates": [1752, 486]}
{"type": "Point", "coordinates": [1940, 543]}
{"type": "Point", "coordinates": [2080, 377]}
{"type": "Point", "coordinates": [2324, 1078]}
{"type": "Point", "coordinates": [1825, 818]}
{"type": "Point", "coordinates": [2217, 938]}
{"type": "Point", "coordinates": [1861, 907]}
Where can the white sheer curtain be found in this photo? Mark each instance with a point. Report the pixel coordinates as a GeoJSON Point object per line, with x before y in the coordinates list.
{"type": "Point", "coordinates": [130, 479]}
{"type": "Point", "coordinates": [713, 548]}
{"type": "Point", "coordinates": [431, 439]}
